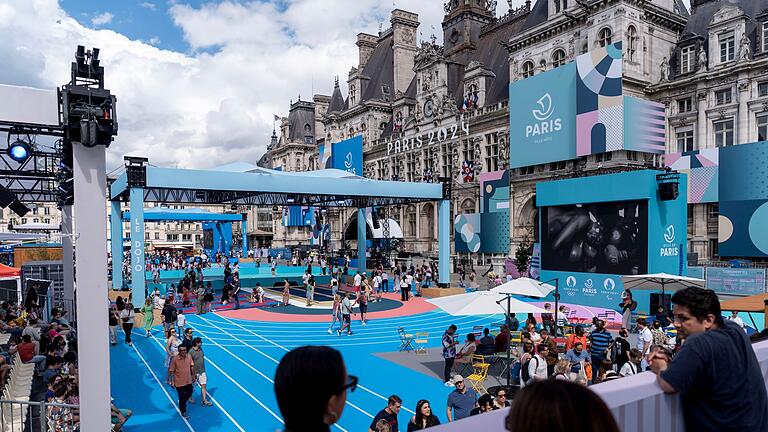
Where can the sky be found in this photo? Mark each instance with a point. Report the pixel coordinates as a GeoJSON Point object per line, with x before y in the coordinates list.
{"type": "Point", "coordinates": [198, 82]}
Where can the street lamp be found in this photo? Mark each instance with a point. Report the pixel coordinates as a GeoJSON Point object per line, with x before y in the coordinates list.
{"type": "Point", "coordinates": [557, 301]}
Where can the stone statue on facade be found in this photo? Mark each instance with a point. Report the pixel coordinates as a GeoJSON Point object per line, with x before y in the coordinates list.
{"type": "Point", "coordinates": [744, 50]}
{"type": "Point", "coordinates": [664, 69]}
{"type": "Point", "coordinates": [571, 47]}
{"type": "Point", "coordinates": [515, 70]}
{"type": "Point", "coordinates": [702, 60]}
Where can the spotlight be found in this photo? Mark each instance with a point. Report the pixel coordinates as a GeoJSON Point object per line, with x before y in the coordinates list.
{"type": "Point", "coordinates": [19, 208]}
{"type": "Point", "coordinates": [19, 151]}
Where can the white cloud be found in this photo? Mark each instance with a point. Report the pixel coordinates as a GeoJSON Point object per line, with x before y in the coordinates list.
{"type": "Point", "coordinates": [214, 105]}
{"type": "Point", "coordinates": [148, 5]}
{"type": "Point", "coordinates": [154, 40]}
{"type": "Point", "coordinates": [101, 19]}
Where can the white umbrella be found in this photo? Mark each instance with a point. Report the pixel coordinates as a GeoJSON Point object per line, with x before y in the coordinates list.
{"type": "Point", "coordinates": [661, 280]}
{"type": "Point", "coordinates": [524, 286]}
{"type": "Point", "coordinates": [482, 303]}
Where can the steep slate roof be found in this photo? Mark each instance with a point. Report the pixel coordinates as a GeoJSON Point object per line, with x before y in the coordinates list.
{"type": "Point", "coordinates": [538, 15]}
{"type": "Point", "coordinates": [337, 100]}
{"type": "Point", "coordinates": [297, 119]}
{"type": "Point", "coordinates": [702, 14]}
{"type": "Point", "coordinates": [381, 71]}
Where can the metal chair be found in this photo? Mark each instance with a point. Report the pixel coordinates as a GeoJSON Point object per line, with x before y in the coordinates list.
{"type": "Point", "coordinates": [406, 340]}
{"type": "Point", "coordinates": [478, 376]}
{"type": "Point", "coordinates": [420, 341]}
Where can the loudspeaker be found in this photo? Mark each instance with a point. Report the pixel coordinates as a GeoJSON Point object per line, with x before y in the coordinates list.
{"type": "Point", "coordinates": [668, 191]}
{"type": "Point", "coordinates": [6, 197]}
{"type": "Point", "coordinates": [446, 181]}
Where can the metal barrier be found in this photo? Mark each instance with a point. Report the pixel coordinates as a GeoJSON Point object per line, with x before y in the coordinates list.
{"type": "Point", "coordinates": [637, 402]}
{"type": "Point", "coordinates": [25, 416]}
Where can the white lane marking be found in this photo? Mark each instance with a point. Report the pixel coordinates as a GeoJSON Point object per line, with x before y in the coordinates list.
{"type": "Point", "coordinates": [210, 396]}
{"type": "Point", "coordinates": [286, 349]}
{"type": "Point", "coordinates": [266, 377]}
{"type": "Point", "coordinates": [189, 426]}
{"type": "Point", "coordinates": [244, 390]}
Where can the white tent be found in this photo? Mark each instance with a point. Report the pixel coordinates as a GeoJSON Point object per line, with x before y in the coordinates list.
{"type": "Point", "coordinates": [524, 286]}
{"type": "Point", "coordinates": [483, 303]}
{"type": "Point", "coordinates": [663, 281]}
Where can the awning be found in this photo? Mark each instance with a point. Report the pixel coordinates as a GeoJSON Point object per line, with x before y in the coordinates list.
{"type": "Point", "coordinates": [6, 271]}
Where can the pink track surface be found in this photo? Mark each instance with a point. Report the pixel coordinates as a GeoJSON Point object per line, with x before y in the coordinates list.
{"type": "Point", "coordinates": [415, 306]}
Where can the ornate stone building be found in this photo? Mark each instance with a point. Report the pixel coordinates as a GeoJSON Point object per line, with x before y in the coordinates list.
{"type": "Point", "coordinates": [716, 91]}
{"type": "Point", "coordinates": [423, 109]}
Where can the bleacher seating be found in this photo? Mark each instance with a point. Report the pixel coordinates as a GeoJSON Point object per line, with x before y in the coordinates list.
{"type": "Point", "coordinates": [18, 388]}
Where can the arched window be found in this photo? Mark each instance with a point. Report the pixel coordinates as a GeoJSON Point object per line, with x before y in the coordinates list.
{"type": "Point", "coordinates": [605, 36]}
{"type": "Point", "coordinates": [631, 42]}
{"type": "Point", "coordinates": [558, 58]}
{"type": "Point", "coordinates": [528, 69]}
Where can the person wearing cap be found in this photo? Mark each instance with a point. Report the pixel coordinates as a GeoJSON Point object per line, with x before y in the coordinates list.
{"type": "Point", "coordinates": [461, 400]}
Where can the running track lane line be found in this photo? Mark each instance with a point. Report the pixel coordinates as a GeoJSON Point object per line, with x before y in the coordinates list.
{"type": "Point", "coordinates": [210, 396]}
{"type": "Point", "coordinates": [276, 362]}
{"type": "Point", "coordinates": [189, 426]}
{"type": "Point", "coordinates": [287, 350]}
{"type": "Point", "coordinates": [243, 389]}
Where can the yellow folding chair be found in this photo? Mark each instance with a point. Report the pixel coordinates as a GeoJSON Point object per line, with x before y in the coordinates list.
{"type": "Point", "coordinates": [420, 341]}
{"type": "Point", "coordinates": [406, 340]}
{"type": "Point", "coordinates": [476, 380]}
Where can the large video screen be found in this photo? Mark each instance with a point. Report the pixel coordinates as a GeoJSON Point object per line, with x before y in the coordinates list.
{"type": "Point", "coordinates": [596, 238]}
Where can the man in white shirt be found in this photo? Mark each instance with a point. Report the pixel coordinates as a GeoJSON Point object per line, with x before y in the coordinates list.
{"type": "Point", "coordinates": [631, 367]}
{"type": "Point", "coordinates": [537, 367]}
{"type": "Point", "coordinates": [644, 340]}
{"type": "Point", "coordinates": [358, 281]}
{"type": "Point", "coordinates": [377, 286]}
{"type": "Point", "coordinates": [736, 319]}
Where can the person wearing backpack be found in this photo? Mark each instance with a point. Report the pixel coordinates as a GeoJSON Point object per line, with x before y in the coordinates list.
{"type": "Point", "coordinates": [535, 368]}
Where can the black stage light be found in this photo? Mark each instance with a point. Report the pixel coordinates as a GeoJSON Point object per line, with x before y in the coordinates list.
{"type": "Point", "coordinates": [6, 197]}
{"type": "Point", "coordinates": [19, 150]}
{"type": "Point", "coordinates": [19, 208]}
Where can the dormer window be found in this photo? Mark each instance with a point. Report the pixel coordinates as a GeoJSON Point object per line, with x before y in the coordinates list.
{"type": "Point", "coordinates": [605, 37]}
{"type": "Point", "coordinates": [687, 59]}
{"type": "Point", "coordinates": [727, 47]}
{"type": "Point", "coordinates": [765, 36]}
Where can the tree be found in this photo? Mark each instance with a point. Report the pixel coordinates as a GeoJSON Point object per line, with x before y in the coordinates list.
{"type": "Point", "coordinates": [523, 254]}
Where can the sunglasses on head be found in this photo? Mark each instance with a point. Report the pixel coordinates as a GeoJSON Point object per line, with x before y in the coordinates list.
{"type": "Point", "coordinates": [351, 383]}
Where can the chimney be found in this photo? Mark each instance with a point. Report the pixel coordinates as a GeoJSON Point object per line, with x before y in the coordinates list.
{"type": "Point", "coordinates": [404, 25]}
{"type": "Point", "coordinates": [366, 44]}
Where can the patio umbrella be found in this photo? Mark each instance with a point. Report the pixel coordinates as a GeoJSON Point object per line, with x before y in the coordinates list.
{"type": "Point", "coordinates": [524, 286]}
{"type": "Point", "coordinates": [661, 280]}
{"type": "Point", "coordinates": [483, 303]}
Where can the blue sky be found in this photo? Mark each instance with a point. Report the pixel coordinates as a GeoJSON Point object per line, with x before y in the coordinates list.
{"type": "Point", "coordinates": [145, 20]}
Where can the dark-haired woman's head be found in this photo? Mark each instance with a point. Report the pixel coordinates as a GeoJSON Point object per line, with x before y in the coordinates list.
{"type": "Point", "coordinates": [424, 412]}
{"type": "Point", "coordinates": [696, 310]}
{"type": "Point", "coordinates": [311, 390]}
{"type": "Point", "coordinates": [569, 408]}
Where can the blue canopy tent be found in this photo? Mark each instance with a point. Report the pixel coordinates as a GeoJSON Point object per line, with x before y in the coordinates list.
{"type": "Point", "coordinates": [165, 214]}
{"type": "Point", "coordinates": [262, 187]}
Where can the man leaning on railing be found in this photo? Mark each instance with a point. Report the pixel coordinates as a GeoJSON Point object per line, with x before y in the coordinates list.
{"type": "Point", "coordinates": [716, 371]}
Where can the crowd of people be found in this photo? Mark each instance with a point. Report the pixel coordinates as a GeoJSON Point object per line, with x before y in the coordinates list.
{"type": "Point", "coordinates": [712, 366]}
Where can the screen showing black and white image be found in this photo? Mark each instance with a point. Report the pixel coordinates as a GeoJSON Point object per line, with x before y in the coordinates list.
{"type": "Point", "coordinates": [596, 238]}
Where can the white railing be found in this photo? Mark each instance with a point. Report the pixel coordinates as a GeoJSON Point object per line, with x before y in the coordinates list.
{"type": "Point", "coordinates": [637, 403]}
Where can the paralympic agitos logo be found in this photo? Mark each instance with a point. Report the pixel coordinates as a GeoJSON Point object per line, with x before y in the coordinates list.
{"type": "Point", "coordinates": [543, 114]}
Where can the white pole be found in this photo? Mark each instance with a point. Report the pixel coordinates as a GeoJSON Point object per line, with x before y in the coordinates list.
{"type": "Point", "coordinates": [91, 265]}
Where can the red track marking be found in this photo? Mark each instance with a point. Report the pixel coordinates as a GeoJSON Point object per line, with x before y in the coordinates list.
{"type": "Point", "coordinates": [415, 306]}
